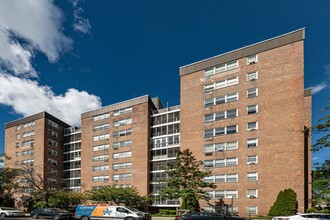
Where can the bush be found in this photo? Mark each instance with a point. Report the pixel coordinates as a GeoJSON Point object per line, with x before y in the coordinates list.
{"type": "Point", "coordinates": [285, 204]}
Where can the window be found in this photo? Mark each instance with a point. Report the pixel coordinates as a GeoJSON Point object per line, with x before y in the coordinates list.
{"type": "Point", "coordinates": [231, 97]}
{"type": "Point", "coordinates": [252, 210]}
{"type": "Point", "coordinates": [28, 133]}
{"type": "Point", "coordinates": [17, 145]}
{"type": "Point", "coordinates": [52, 143]}
{"type": "Point", "coordinates": [252, 126]}
{"type": "Point", "coordinates": [18, 127]}
{"type": "Point", "coordinates": [17, 154]}
{"type": "Point", "coordinates": [221, 162]}
{"type": "Point", "coordinates": [122, 111]}
{"type": "Point", "coordinates": [222, 178]}
{"type": "Point", "coordinates": [100, 168]}
{"type": "Point", "coordinates": [252, 143]}
{"type": "Point", "coordinates": [221, 84]}
{"type": "Point", "coordinates": [252, 93]}
{"type": "Point", "coordinates": [118, 166]}
{"type": "Point", "coordinates": [101, 137]}
{"type": "Point", "coordinates": [220, 147]}
{"type": "Point", "coordinates": [252, 176]}
{"type": "Point", "coordinates": [122, 154]}
{"type": "Point", "coordinates": [27, 152]}
{"type": "Point", "coordinates": [52, 161]}
{"type": "Point", "coordinates": [123, 176]}
{"type": "Point", "coordinates": [220, 131]}
{"type": "Point", "coordinates": [29, 124]}
{"type": "Point", "coordinates": [122, 122]}
{"type": "Point", "coordinates": [101, 158]}
{"type": "Point", "coordinates": [116, 145]}
{"type": "Point", "coordinates": [252, 76]}
{"type": "Point", "coordinates": [52, 133]}
{"type": "Point", "coordinates": [252, 109]}
{"type": "Point", "coordinates": [252, 193]}
{"type": "Point", "coordinates": [122, 133]}
{"type": "Point", "coordinates": [101, 147]}
{"type": "Point", "coordinates": [52, 152]}
{"type": "Point", "coordinates": [252, 159]}
{"type": "Point", "coordinates": [220, 115]}
{"type": "Point", "coordinates": [17, 136]}
{"type": "Point", "coordinates": [101, 117]}
{"type": "Point", "coordinates": [100, 178]}
{"type": "Point", "coordinates": [53, 124]}
{"type": "Point", "coordinates": [222, 68]}
{"type": "Point", "coordinates": [29, 143]}
{"type": "Point", "coordinates": [101, 127]}
{"type": "Point", "coordinates": [223, 194]}
{"type": "Point", "coordinates": [252, 59]}
{"type": "Point", "coordinates": [28, 162]}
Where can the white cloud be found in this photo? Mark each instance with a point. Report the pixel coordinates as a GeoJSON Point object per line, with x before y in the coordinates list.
{"type": "Point", "coordinates": [319, 87]}
{"type": "Point", "coordinates": [80, 24]}
{"type": "Point", "coordinates": [26, 27]}
{"type": "Point", "coordinates": [27, 97]}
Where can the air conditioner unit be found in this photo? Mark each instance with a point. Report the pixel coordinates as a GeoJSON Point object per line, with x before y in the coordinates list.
{"type": "Point", "coordinates": [252, 163]}
{"type": "Point", "coordinates": [115, 148]}
{"type": "Point", "coordinates": [252, 62]}
{"type": "Point", "coordinates": [252, 79]}
{"type": "Point", "coordinates": [106, 160]}
{"type": "Point", "coordinates": [209, 139]}
{"type": "Point", "coordinates": [252, 196]}
{"type": "Point", "coordinates": [115, 169]}
{"type": "Point", "coordinates": [209, 93]}
{"type": "Point", "coordinates": [252, 129]}
{"type": "Point", "coordinates": [208, 154]}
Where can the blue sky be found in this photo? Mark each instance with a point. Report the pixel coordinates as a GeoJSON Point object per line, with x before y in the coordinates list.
{"type": "Point", "coordinates": [67, 57]}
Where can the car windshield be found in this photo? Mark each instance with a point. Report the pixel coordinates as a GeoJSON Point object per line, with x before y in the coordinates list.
{"type": "Point", "coordinates": [132, 209]}
{"type": "Point", "coordinates": [7, 208]}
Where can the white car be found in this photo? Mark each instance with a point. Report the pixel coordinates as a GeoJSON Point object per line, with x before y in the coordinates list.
{"type": "Point", "coordinates": [8, 211]}
{"type": "Point", "coordinates": [305, 216]}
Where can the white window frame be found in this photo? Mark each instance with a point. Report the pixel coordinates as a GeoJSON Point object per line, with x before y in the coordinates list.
{"type": "Point", "coordinates": [250, 140]}
{"type": "Point", "coordinates": [221, 68]}
{"type": "Point", "coordinates": [252, 162]}
{"type": "Point", "coordinates": [254, 123]}
{"type": "Point", "coordinates": [252, 76]}
{"type": "Point", "coordinates": [248, 90]}
{"type": "Point", "coordinates": [248, 208]}
{"type": "Point", "coordinates": [217, 147]}
{"type": "Point", "coordinates": [220, 84]}
{"type": "Point", "coordinates": [247, 109]}
{"type": "Point", "coordinates": [252, 59]}
{"type": "Point", "coordinates": [252, 195]}
{"type": "Point", "coordinates": [252, 176]}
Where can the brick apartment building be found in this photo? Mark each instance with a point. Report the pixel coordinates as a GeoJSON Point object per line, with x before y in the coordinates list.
{"type": "Point", "coordinates": [243, 113]}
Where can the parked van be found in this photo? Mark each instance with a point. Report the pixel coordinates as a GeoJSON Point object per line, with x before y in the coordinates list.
{"type": "Point", "coordinates": [305, 216]}
{"type": "Point", "coordinates": [112, 212]}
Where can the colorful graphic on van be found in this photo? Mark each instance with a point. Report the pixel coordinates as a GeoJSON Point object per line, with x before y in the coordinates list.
{"type": "Point", "coordinates": [93, 211]}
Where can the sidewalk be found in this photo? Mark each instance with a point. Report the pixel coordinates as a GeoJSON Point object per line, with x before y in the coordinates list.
{"type": "Point", "coordinates": [162, 218]}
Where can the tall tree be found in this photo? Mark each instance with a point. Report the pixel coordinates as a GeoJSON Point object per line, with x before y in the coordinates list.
{"type": "Point", "coordinates": [321, 183]}
{"type": "Point", "coordinates": [42, 185]}
{"type": "Point", "coordinates": [285, 204]}
{"type": "Point", "coordinates": [323, 126]}
{"type": "Point", "coordinates": [186, 181]}
{"type": "Point", "coordinates": [321, 174]}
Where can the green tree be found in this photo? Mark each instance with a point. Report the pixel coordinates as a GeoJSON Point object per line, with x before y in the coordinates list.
{"type": "Point", "coordinates": [321, 174]}
{"type": "Point", "coordinates": [128, 196]}
{"type": "Point", "coordinates": [8, 185]}
{"type": "Point", "coordinates": [321, 183]}
{"type": "Point", "coordinates": [186, 181]}
{"type": "Point", "coordinates": [285, 204]}
{"type": "Point", "coordinates": [67, 199]}
{"type": "Point", "coordinates": [323, 126]}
